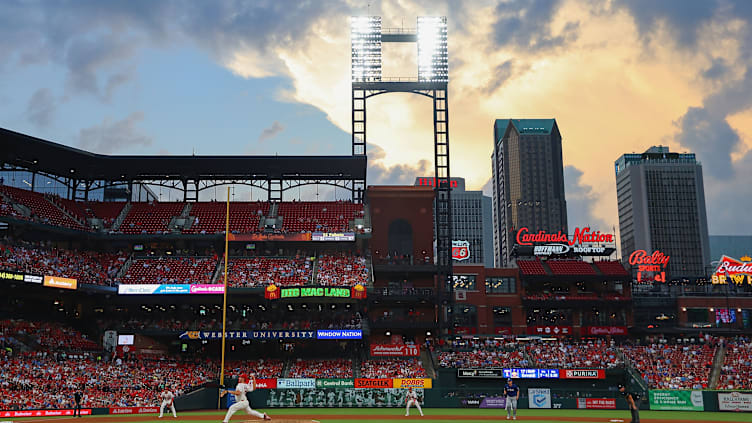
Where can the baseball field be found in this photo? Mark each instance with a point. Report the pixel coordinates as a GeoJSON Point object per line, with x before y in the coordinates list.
{"type": "Point", "coordinates": [330, 415]}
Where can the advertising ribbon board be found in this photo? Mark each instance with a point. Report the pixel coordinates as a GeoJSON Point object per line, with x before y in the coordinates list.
{"type": "Point", "coordinates": [582, 374]}
{"type": "Point", "coordinates": [296, 383]}
{"type": "Point", "coordinates": [597, 403]}
{"type": "Point", "coordinates": [58, 282]}
{"type": "Point", "coordinates": [333, 236]}
{"type": "Point", "coordinates": [531, 373]}
{"type": "Point", "coordinates": [168, 289]}
{"type": "Point", "coordinates": [258, 237]}
{"type": "Point", "coordinates": [395, 350]}
{"type": "Point", "coordinates": [20, 277]}
{"type": "Point", "coordinates": [335, 383]}
{"type": "Point", "coordinates": [605, 330]}
{"type": "Point", "coordinates": [339, 334]}
{"type": "Point", "coordinates": [493, 402]}
{"type": "Point", "coordinates": [539, 397]}
{"type": "Point", "coordinates": [134, 410]}
{"type": "Point", "coordinates": [341, 398]}
{"type": "Point", "coordinates": [734, 401]}
{"type": "Point", "coordinates": [249, 334]}
{"type": "Point", "coordinates": [43, 413]}
{"type": "Point", "coordinates": [549, 330]}
{"type": "Point", "coordinates": [480, 373]}
{"type": "Point", "coordinates": [374, 383]}
{"type": "Point", "coordinates": [266, 383]}
{"type": "Point", "coordinates": [676, 400]}
{"type": "Point", "coordinates": [413, 383]}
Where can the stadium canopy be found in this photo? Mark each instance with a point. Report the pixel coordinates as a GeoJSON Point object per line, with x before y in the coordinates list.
{"type": "Point", "coordinates": [274, 173]}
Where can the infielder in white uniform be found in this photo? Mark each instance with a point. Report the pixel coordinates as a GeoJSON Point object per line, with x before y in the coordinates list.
{"type": "Point", "coordinates": [167, 398]}
{"type": "Point", "coordinates": [412, 399]}
{"type": "Point", "coordinates": [241, 402]}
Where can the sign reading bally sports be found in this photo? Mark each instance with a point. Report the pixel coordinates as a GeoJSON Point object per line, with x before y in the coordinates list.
{"type": "Point", "coordinates": [584, 242]}
{"type": "Point", "coordinates": [649, 267]}
{"type": "Point", "coordinates": [734, 271]}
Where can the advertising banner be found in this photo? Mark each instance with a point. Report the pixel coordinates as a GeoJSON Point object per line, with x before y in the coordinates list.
{"type": "Point", "coordinates": [676, 400]}
{"type": "Point", "coordinates": [539, 397]}
{"type": "Point", "coordinates": [333, 236]}
{"type": "Point", "coordinates": [734, 271]}
{"type": "Point", "coordinates": [374, 383]}
{"type": "Point", "coordinates": [335, 383]}
{"type": "Point", "coordinates": [734, 401]}
{"type": "Point", "coordinates": [460, 250]}
{"type": "Point", "coordinates": [604, 330]}
{"type": "Point", "coordinates": [582, 374]}
{"type": "Point", "coordinates": [58, 282]}
{"type": "Point", "coordinates": [413, 383]}
{"type": "Point", "coordinates": [319, 292]}
{"type": "Point", "coordinates": [597, 403]}
{"type": "Point", "coordinates": [249, 334]}
{"type": "Point", "coordinates": [398, 350]}
{"type": "Point", "coordinates": [493, 402]}
{"type": "Point", "coordinates": [256, 237]}
{"type": "Point", "coordinates": [134, 410]}
{"type": "Point", "coordinates": [549, 330]}
{"type": "Point", "coordinates": [480, 373]}
{"type": "Point", "coordinates": [339, 334]}
{"type": "Point", "coordinates": [332, 398]}
{"type": "Point", "coordinates": [166, 289]}
{"type": "Point", "coordinates": [650, 267]}
{"type": "Point", "coordinates": [266, 383]}
{"type": "Point", "coordinates": [502, 330]}
{"type": "Point", "coordinates": [20, 277]}
{"type": "Point", "coordinates": [583, 242]}
{"type": "Point", "coordinates": [296, 383]}
{"type": "Point", "coordinates": [531, 373]}
{"type": "Point", "coordinates": [43, 413]}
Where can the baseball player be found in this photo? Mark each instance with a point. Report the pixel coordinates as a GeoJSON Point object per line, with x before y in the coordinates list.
{"type": "Point", "coordinates": [167, 397]}
{"type": "Point", "coordinates": [512, 394]}
{"type": "Point", "coordinates": [244, 386]}
{"type": "Point", "coordinates": [412, 399]}
{"type": "Point", "coordinates": [77, 399]}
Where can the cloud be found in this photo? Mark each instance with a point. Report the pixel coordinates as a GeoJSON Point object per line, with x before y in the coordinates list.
{"type": "Point", "coordinates": [711, 138]}
{"type": "Point", "coordinates": [581, 201]}
{"type": "Point", "coordinates": [526, 24]}
{"type": "Point", "coordinates": [115, 81]}
{"type": "Point", "coordinates": [397, 174]}
{"type": "Point", "coordinates": [717, 70]}
{"type": "Point", "coordinates": [41, 107]}
{"type": "Point", "coordinates": [683, 18]}
{"type": "Point", "coordinates": [271, 132]}
{"type": "Point", "coordinates": [110, 137]}
{"type": "Point", "coordinates": [499, 76]}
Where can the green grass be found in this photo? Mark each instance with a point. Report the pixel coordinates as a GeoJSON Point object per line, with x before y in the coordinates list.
{"type": "Point", "coordinates": [462, 414]}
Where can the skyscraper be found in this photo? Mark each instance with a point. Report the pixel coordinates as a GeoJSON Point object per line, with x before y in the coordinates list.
{"type": "Point", "coordinates": [471, 220]}
{"type": "Point", "coordinates": [528, 181]}
{"type": "Point", "coordinates": [661, 201]}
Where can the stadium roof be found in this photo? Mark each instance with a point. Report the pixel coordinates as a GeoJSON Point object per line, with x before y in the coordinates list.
{"type": "Point", "coordinates": [32, 153]}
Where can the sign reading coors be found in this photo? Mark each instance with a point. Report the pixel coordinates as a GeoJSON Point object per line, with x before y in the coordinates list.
{"type": "Point", "coordinates": [646, 264]}
{"type": "Point", "coordinates": [584, 242]}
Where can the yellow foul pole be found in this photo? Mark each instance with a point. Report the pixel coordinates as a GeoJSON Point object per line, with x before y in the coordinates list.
{"type": "Point", "coordinates": [224, 295]}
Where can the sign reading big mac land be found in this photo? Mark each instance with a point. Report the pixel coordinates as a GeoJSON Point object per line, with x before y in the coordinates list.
{"type": "Point", "coordinates": [273, 292]}
{"type": "Point", "coordinates": [649, 267]}
{"type": "Point", "coordinates": [734, 271]}
{"type": "Point", "coordinates": [583, 242]}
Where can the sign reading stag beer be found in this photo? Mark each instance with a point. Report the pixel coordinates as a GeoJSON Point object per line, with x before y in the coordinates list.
{"type": "Point", "coordinates": [583, 242]}
{"type": "Point", "coordinates": [734, 271]}
{"type": "Point", "coordinates": [649, 267]}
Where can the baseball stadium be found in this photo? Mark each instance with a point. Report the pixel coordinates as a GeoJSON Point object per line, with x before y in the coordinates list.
{"type": "Point", "coordinates": [141, 288]}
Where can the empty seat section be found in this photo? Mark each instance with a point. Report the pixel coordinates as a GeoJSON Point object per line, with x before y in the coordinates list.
{"type": "Point", "coordinates": [332, 216]}
{"type": "Point", "coordinates": [42, 209]}
{"type": "Point", "coordinates": [210, 217]}
{"type": "Point", "coordinates": [150, 217]}
{"type": "Point", "coordinates": [172, 270]}
{"type": "Point", "coordinates": [570, 267]}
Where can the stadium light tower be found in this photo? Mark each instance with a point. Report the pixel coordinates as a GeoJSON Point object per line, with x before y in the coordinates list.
{"type": "Point", "coordinates": [430, 35]}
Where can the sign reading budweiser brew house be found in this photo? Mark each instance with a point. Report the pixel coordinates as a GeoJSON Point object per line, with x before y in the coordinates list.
{"type": "Point", "coordinates": [734, 271]}
{"type": "Point", "coordinates": [584, 242]}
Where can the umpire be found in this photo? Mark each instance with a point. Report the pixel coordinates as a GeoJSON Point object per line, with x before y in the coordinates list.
{"type": "Point", "coordinates": [77, 398]}
{"type": "Point", "coordinates": [632, 400]}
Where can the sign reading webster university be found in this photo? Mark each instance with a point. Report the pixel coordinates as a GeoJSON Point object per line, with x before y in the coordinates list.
{"type": "Point", "coordinates": [583, 242]}
{"type": "Point", "coordinates": [734, 271]}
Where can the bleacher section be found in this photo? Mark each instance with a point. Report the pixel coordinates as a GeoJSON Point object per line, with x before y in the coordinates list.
{"type": "Point", "coordinates": [611, 268]}
{"type": "Point", "coordinates": [531, 267]}
{"type": "Point", "coordinates": [342, 270]}
{"type": "Point", "coordinates": [668, 366]}
{"type": "Point", "coordinates": [332, 216]}
{"type": "Point", "coordinates": [170, 270]}
{"type": "Point", "coordinates": [339, 368]}
{"type": "Point", "coordinates": [570, 267]}
{"type": "Point", "coordinates": [210, 217]}
{"type": "Point", "coordinates": [392, 368]}
{"type": "Point", "coordinates": [736, 372]}
{"type": "Point", "coordinates": [261, 271]}
{"type": "Point", "coordinates": [42, 210]}
{"type": "Point", "coordinates": [107, 211]}
{"type": "Point", "coordinates": [150, 218]}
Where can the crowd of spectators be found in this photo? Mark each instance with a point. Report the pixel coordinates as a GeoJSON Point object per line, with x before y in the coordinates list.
{"type": "Point", "coordinates": [46, 380]}
{"type": "Point", "coordinates": [85, 266]}
{"type": "Point", "coordinates": [170, 270]}
{"type": "Point", "coordinates": [262, 369]}
{"type": "Point", "coordinates": [482, 353]}
{"type": "Point", "coordinates": [562, 354]}
{"type": "Point", "coordinates": [342, 270]}
{"type": "Point", "coordinates": [339, 368]}
{"type": "Point", "coordinates": [262, 271]}
{"type": "Point", "coordinates": [736, 372]}
{"type": "Point", "coordinates": [392, 368]}
{"type": "Point", "coordinates": [666, 365]}
{"type": "Point", "coordinates": [47, 335]}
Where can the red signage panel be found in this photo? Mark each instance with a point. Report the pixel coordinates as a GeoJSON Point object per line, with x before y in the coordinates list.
{"type": "Point", "coordinates": [373, 383]}
{"type": "Point", "coordinates": [399, 350]}
{"type": "Point", "coordinates": [549, 330]}
{"type": "Point", "coordinates": [43, 413]}
{"type": "Point", "coordinates": [134, 410]}
{"type": "Point", "coordinates": [604, 330]}
{"type": "Point", "coordinates": [266, 383]}
{"type": "Point", "coordinates": [582, 374]}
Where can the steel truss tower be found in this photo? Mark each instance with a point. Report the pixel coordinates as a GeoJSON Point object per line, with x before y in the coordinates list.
{"type": "Point", "coordinates": [432, 81]}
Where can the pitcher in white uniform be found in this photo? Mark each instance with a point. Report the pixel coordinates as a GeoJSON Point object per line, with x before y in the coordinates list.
{"type": "Point", "coordinates": [412, 399]}
{"type": "Point", "coordinates": [241, 402]}
{"type": "Point", "coordinates": [167, 398]}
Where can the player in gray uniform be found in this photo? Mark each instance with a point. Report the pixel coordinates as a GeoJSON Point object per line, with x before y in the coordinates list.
{"type": "Point", "coordinates": [512, 394]}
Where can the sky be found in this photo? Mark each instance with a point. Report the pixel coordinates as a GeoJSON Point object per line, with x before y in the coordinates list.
{"type": "Point", "coordinates": [273, 77]}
